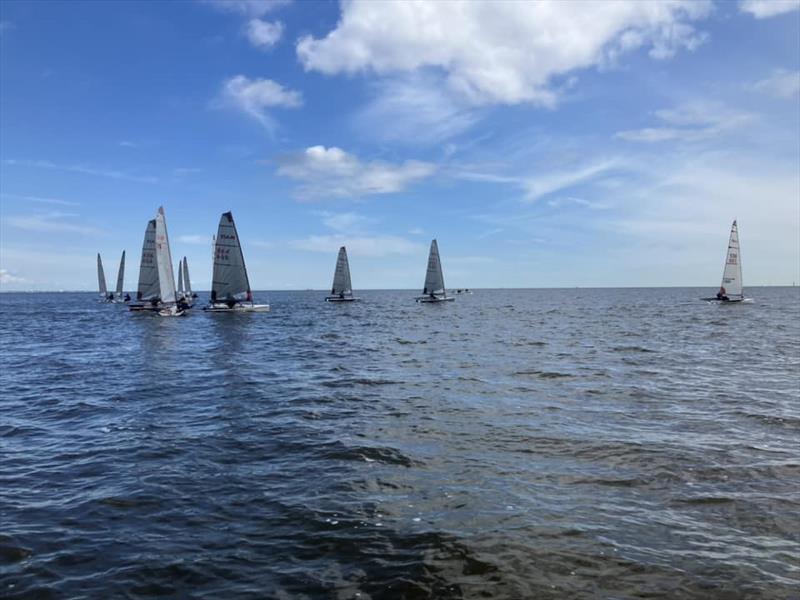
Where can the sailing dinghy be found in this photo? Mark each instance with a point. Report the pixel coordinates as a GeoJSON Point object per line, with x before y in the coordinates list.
{"type": "Point", "coordinates": [184, 289]}
{"type": "Point", "coordinates": [342, 289]}
{"type": "Point", "coordinates": [187, 283]}
{"type": "Point", "coordinates": [230, 287]}
{"type": "Point", "coordinates": [101, 282]}
{"type": "Point", "coordinates": [170, 306]}
{"type": "Point", "coordinates": [148, 290]}
{"type": "Point", "coordinates": [731, 288]}
{"type": "Point", "coordinates": [120, 279]}
{"type": "Point", "coordinates": [434, 290]}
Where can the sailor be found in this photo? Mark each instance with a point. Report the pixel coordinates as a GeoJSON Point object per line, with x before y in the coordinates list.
{"type": "Point", "coordinates": [341, 294]}
{"type": "Point", "coordinates": [230, 301]}
{"type": "Point", "coordinates": [110, 296]}
{"type": "Point", "coordinates": [182, 304]}
{"type": "Point", "coordinates": [722, 295]}
{"type": "Point", "coordinates": [127, 297]}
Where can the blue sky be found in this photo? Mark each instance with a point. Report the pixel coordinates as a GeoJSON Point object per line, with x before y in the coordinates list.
{"type": "Point", "coordinates": [543, 145]}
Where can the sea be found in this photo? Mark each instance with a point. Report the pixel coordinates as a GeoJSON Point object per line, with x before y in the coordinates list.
{"type": "Point", "coordinates": [519, 444]}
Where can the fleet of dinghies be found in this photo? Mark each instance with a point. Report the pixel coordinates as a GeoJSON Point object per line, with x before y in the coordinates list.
{"type": "Point", "coordinates": [230, 285]}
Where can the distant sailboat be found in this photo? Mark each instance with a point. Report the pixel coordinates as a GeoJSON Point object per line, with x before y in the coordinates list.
{"type": "Point", "coordinates": [166, 277]}
{"type": "Point", "coordinates": [101, 282]}
{"type": "Point", "coordinates": [181, 293]}
{"type": "Point", "coordinates": [731, 288]}
{"type": "Point", "coordinates": [148, 290]}
{"type": "Point", "coordinates": [230, 287]}
{"type": "Point", "coordinates": [434, 290]}
{"type": "Point", "coordinates": [187, 283]}
{"type": "Point", "coordinates": [120, 280]}
{"type": "Point", "coordinates": [342, 289]}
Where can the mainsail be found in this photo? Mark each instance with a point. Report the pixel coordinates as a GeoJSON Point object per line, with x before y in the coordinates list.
{"type": "Point", "coordinates": [732, 275]}
{"type": "Point", "coordinates": [148, 287]}
{"type": "Point", "coordinates": [166, 277]}
{"type": "Point", "coordinates": [121, 275]}
{"type": "Point", "coordinates": [230, 275]}
{"type": "Point", "coordinates": [101, 276]}
{"type": "Point", "coordinates": [180, 278]}
{"type": "Point", "coordinates": [434, 279]}
{"type": "Point", "coordinates": [341, 277]}
{"type": "Point", "coordinates": [187, 284]}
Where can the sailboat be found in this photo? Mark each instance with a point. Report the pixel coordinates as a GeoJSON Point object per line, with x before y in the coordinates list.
{"type": "Point", "coordinates": [731, 288]}
{"type": "Point", "coordinates": [101, 282]}
{"type": "Point", "coordinates": [148, 290]}
{"type": "Point", "coordinates": [434, 290]}
{"type": "Point", "coordinates": [120, 280]}
{"type": "Point", "coordinates": [187, 283]}
{"type": "Point", "coordinates": [230, 287]}
{"type": "Point", "coordinates": [170, 307]}
{"type": "Point", "coordinates": [342, 289]}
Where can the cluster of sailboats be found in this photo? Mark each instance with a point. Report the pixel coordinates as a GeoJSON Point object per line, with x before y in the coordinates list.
{"type": "Point", "coordinates": [230, 285]}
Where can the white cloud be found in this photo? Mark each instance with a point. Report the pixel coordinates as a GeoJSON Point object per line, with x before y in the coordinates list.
{"type": "Point", "coordinates": [499, 52]}
{"type": "Point", "coordinates": [41, 200]}
{"type": "Point", "coordinates": [780, 84]}
{"type": "Point", "coordinates": [349, 222]}
{"type": "Point", "coordinates": [194, 239]}
{"type": "Point", "coordinates": [50, 222]}
{"type": "Point", "coordinates": [415, 109]}
{"type": "Point", "coordinates": [333, 173]}
{"type": "Point", "coordinates": [8, 278]}
{"type": "Point", "coordinates": [263, 34]}
{"type": "Point", "coordinates": [416, 231]}
{"type": "Point", "coordinates": [691, 121]}
{"type": "Point", "coordinates": [248, 8]}
{"type": "Point", "coordinates": [763, 9]}
{"type": "Point", "coordinates": [255, 96]}
{"type": "Point", "coordinates": [46, 164]}
{"type": "Point", "coordinates": [374, 246]}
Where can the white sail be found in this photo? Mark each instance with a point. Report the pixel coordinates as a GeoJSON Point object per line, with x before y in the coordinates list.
{"type": "Point", "coordinates": [166, 277]}
{"type": "Point", "coordinates": [341, 277]}
{"type": "Point", "coordinates": [434, 279]}
{"type": "Point", "coordinates": [148, 287]}
{"type": "Point", "coordinates": [230, 275]}
{"type": "Point", "coordinates": [187, 283]}
{"type": "Point", "coordinates": [180, 278]}
{"type": "Point", "coordinates": [732, 275]}
{"type": "Point", "coordinates": [101, 276]}
{"type": "Point", "coordinates": [121, 275]}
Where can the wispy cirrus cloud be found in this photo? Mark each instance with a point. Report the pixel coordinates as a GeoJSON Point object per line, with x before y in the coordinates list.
{"type": "Point", "coordinates": [83, 169]}
{"type": "Point", "coordinates": [764, 9]}
{"type": "Point", "coordinates": [256, 97]}
{"type": "Point", "coordinates": [333, 173]}
{"type": "Point", "coordinates": [691, 121]}
{"type": "Point", "coordinates": [780, 84]}
{"type": "Point", "coordinates": [50, 222]}
{"type": "Point", "coordinates": [197, 239]}
{"type": "Point", "coordinates": [372, 246]}
{"type": "Point", "coordinates": [41, 200]}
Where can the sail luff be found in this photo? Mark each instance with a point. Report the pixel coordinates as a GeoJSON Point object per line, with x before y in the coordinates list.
{"type": "Point", "coordinates": [732, 274]}
{"type": "Point", "coordinates": [101, 276]}
{"type": "Point", "coordinates": [148, 286]}
{"type": "Point", "coordinates": [166, 276]}
{"type": "Point", "coordinates": [121, 275]}
{"type": "Point", "coordinates": [187, 283]}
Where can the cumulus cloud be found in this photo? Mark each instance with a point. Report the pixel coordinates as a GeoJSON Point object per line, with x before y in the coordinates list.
{"type": "Point", "coordinates": [333, 173]}
{"type": "Point", "coordinates": [255, 96]}
{"type": "Point", "coordinates": [6, 277]}
{"type": "Point", "coordinates": [500, 52]}
{"type": "Point", "coordinates": [763, 9]}
{"type": "Point", "coordinates": [780, 84]}
{"type": "Point", "coordinates": [374, 246]}
{"type": "Point", "coordinates": [691, 121]}
{"type": "Point", "coordinates": [263, 34]}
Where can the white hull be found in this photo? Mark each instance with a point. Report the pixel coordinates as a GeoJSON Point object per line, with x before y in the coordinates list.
{"type": "Point", "coordinates": [224, 308]}
{"type": "Point", "coordinates": [428, 299]}
{"type": "Point", "coordinates": [171, 311]}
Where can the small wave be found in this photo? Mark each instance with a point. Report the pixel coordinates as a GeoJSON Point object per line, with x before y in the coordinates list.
{"type": "Point", "coordinates": [544, 374]}
{"type": "Point", "coordinates": [706, 500]}
{"type": "Point", "coordinates": [632, 349]}
{"type": "Point", "coordinates": [350, 381]}
{"type": "Point", "coordinates": [385, 455]}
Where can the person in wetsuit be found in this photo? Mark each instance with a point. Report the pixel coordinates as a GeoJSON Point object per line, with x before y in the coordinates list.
{"type": "Point", "coordinates": [722, 295]}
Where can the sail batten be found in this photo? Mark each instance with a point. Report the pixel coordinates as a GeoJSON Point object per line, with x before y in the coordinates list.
{"type": "Point", "coordinates": [101, 276]}
{"type": "Point", "coordinates": [434, 278]}
{"type": "Point", "coordinates": [732, 274]}
{"type": "Point", "coordinates": [230, 281]}
{"type": "Point", "coordinates": [148, 287]}
{"type": "Point", "coordinates": [121, 275]}
{"type": "Point", "coordinates": [166, 277]}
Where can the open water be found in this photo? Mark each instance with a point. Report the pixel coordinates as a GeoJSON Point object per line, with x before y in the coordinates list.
{"type": "Point", "coordinates": [628, 443]}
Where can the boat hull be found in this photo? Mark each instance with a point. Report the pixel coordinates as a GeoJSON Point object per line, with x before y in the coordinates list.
{"type": "Point", "coordinates": [429, 300]}
{"type": "Point", "coordinates": [224, 308]}
{"type": "Point", "coordinates": [338, 299]}
{"type": "Point", "coordinates": [143, 308]}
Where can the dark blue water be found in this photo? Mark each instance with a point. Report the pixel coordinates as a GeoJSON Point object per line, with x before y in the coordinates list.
{"type": "Point", "coordinates": [512, 444]}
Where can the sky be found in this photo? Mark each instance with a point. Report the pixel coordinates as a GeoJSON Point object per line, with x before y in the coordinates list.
{"type": "Point", "coordinates": [591, 144]}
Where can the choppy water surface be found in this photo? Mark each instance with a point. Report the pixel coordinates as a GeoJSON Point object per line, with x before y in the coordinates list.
{"type": "Point", "coordinates": [512, 444]}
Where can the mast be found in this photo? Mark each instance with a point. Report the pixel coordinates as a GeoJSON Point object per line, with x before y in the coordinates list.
{"type": "Point", "coordinates": [121, 275]}
{"type": "Point", "coordinates": [101, 276]}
